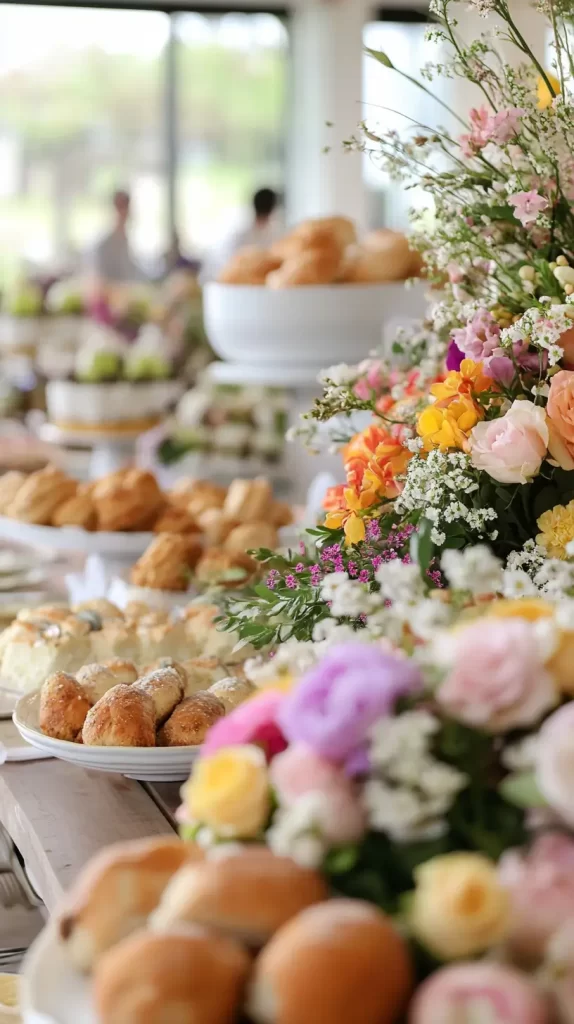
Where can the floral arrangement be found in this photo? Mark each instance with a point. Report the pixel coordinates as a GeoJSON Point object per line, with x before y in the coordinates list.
{"type": "Point", "coordinates": [411, 737]}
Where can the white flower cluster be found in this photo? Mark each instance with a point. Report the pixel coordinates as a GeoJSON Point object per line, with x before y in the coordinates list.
{"type": "Point", "coordinates": [297, 832]}
{"type": "Point", "coordinates": [441, 486]}
{"type": "Point", "coordinates": [475, 569]}
{"type": "Point", "coordinates": [293, 658]}
{"type": "Point", "coordinates": [542, 329]}
{"type": "Point", "coordinates": [348, 598]}
{"type": "Point", "coordinates": [410, 791]}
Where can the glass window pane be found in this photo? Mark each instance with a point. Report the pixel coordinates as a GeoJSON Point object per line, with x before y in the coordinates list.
{"type": "Point", "coordinates": [80, 113]}
{"type": "Point", "coordinates": [232, 95]}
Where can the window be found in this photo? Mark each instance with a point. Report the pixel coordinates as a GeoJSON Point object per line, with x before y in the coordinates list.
{"type": "Point", "coordinates": [386, 97]}
{"type": "Point", "coordinates": [83, 96]}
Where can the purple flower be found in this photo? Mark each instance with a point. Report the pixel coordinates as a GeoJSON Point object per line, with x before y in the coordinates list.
{"type": "Point", "coordinates": [335, 704]}
{"type": "Point", "coordinates": [272, 579]}
{"type": "Point", "coordinates": [299, 567]}
{"type": "Point", "coordinates": [501, 369]}
{"type": "Point", "coordinates": [480, 338]}
{"type": "Point", "coordinates": [454, 357]}
{"type": "Point", "coordinates": [373, 529]}
{"type": "Point", "coordinates": [291, 582]}
{"type": "Point", "coordinates": [352, 569]}
{"type": "Point", "coordinates": [364, 576]}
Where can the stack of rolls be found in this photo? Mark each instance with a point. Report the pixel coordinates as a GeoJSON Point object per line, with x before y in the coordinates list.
{"type": "Point", "coordinates": [325, 251]}
{"type": "Point", "coordinates": [172, 934]}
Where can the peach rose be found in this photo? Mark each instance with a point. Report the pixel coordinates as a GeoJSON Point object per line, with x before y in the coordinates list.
{"type": "Point", "coordinates": [511, 448]}
{"type": "Point", "coordinates": [560, 410]}
{"type": "Point", "coordinates": [566, 342]}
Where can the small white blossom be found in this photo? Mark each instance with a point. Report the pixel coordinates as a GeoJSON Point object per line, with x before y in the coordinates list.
{"type": "Point", "coordinates": [517, 583]}
{"type": "Point", "coordinates": [474, 569]}
{"type": "Point", "coordinates": [521, 756]}
{"type": "Point", "coordinates": [400, 582]}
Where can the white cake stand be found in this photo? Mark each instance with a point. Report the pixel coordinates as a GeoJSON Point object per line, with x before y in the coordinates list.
{"type": "Point", "coordinates": [109, 452]}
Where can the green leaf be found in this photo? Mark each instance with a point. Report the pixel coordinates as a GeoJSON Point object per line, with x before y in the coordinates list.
{"type": "Point", "coordinates": [381, 56]}
{"type": "Point", "coordinates": [521, 789]}
{"type": "Point", "coordinates": [422, 547]}
{"type": "Point", "coordinates": [343, 859]}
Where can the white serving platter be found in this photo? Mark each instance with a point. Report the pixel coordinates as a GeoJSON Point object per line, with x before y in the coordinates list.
{"type": "Point", "coordinates": [119, 546]}
{"type": "Point", "coordinates": [147, 764]}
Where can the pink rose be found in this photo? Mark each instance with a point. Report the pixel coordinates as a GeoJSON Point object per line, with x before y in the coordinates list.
{"type": "Point", "coordinates": [298, 771]}
{"type": "Point", "coordinates": [560, 410]}
{"type": "Point", "coordinates": [559, 972]}
{"type": "Point", "coordinates": [252, 722]}
{"type": "Point", "coordinates": [481, 991]}
{"type": "Point", "coordinates": [555, 762]}
{"type": "Point", "coordinates": [497, 680]}
{"type": "Point", "coordinates": [541, 884]}
{"type": "Point", "coordinates": [511, 448]}
{"type": "Point", "coordinates": [527, 206]}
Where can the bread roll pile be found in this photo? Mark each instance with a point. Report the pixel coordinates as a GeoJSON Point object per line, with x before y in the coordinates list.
{"type": "Point", "coordinates": [172, 935]}
{"type": "Point", "coordinates": [325, 251]}
{"type": "Point", "coordinates": [112, 705]}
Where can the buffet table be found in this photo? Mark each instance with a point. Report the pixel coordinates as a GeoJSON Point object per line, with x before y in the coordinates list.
{"type": "Point", "coordinates": [58, 816]}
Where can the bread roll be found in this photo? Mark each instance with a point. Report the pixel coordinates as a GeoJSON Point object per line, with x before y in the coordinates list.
{"type": "Point", "coordinates": [386, 256]}
{"type": "Point", "coordinates": [315, 267]}
{"type": "Point", "coordinates": [201, 673]}
{"type": "Point", "coordinates": [10, 484]}
{"type": "Point", "coordinates": [191, 720]}
{"type": "Point", "coordinates": [250, 536]}
{"type": "Point", "coordinates": [175, 520]}
{"type": "Point", "coordinates": [166, 688]}
{"type": "Point", "coordinates": [95, 680]}
{"type": "Point", "coordinates": [340, 961]}
{"type": "Point", "coordinates": [164, 565]}
{"type": "Point", "coordinates": [116, 892]}
{"type": "Point", "coordinates": [232, 691]}
{"type": "Point", "coordinates": [168, 662]}
{"type": "Point", "coordinates": [79, 510]}
{"type": "Point", "coordinates": [249, 266]}
{"type": "Point", "coordinates": [224, 569]}
{"type": "Point", "coordinates": [248, 895]}
{"type": "Point", "coordinates": [100, 606]}
{"type": "Point", "coordinates": [187, 977]}
{"type": "Point", "coordinates": [322, 229]}
{"type": "Point", "coordinates": [123, 717]}
{"type": "Point", "coordinates": [281, 514]}
{"type": "Point", "coordinates": [63, 707]}
{"type": "Point", "coordinates": [248, 501]}
{"type": "Point", "coordinates": [41, 494]}
{"type": "Point", "coordinates": [131, 501]}
{"type": "Point", "coordinates": [215, 524]}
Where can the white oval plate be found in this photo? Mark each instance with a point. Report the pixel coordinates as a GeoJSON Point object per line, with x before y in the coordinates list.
{"type": "Point", "coordinates": [147, 764]}
{"type": "Point", "coordinates": [122, 546]}
{"type": "Point", "coordinates": [52, 992]}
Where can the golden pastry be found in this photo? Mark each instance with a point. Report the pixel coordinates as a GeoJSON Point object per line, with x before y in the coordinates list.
{"type": "Point", "coordinates": [115, 892]}
{"type": "Point", "coordinates": [78, 510]}
{"type": "Point", "coordinates": [63, 707]}
{"type": "Point", "coordinates": [166, 688]}
{"type": "Point", "coordinates": [224, 569]}
{"type": "Point", "coordinates": [248, 500]}
{"type": "Point", "coordinates": [281, 514]}
{"type": "Point", "coordinates": [100, 606]}
{"type": "Point", "coordinates": [10, 484]}
{"type": "Point", "coordinates": [95, 680]}
{"type": "Point", "coordinates": [251, 536]}
{"type": "Point", "coordinates": [130, 502]}
{"type": "Point", "coordinates": [136, 610]}
{"type": "Point", "coordinates": [123, 717]}
{"type": "Point", "coordinates": [45, 613]}
{"type": "Point", "coordinates": [201, 673]}
{"type": "Point", "coordinates": [385, 256]}
{"type": "Point", "coordinates": [216, 526]}
{"type": "Point", "coordinates": [168, 662]}
{"type": "Point", "coordinates": [175, 520]}
{"type": "Point", "coordinates": [191, 720]}
{"type": "Point", "coordinates": [181, 492]}
{"type": "Point", "coordinates": [190, 976]}
{"type": "Point", "coordinates": [232, 691]}
{"type": "Point", "coordinates": [205, 495]}
{"type": "Point", "coordinates": [315, 267]}
{"type": "Point", "coordinates": [39, 497]}
{"type": "Point", "coordinates": [249, 266]}
{"type": "Point", "coordinates": [322, 230]}
{"type": "Point", "coordinates": [165, 565]}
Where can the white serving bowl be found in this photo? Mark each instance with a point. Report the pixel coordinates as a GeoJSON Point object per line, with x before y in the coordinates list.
{"type": "Point", "coordinates": [314, 326]}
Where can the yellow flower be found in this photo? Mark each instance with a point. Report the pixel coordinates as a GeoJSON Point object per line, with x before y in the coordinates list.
{"type": "Point", "coordinates": [459, 907]}
{"type": "Point", "coordinates": [468, 380]}
{"type": "Point", "coordinates": [545, 97]}
{"type": "Point", "coordinates": [349, 518]}
{"type": "Point", "coordinates": [448, 426]}
{"type": "Point", "coordinates": [557, 529]}
{"type": "Point", "coordinates": [229, 792]}
{"type": "Point", "coordinates": [282, 683]}
{"type": "Point", "coordinates": [529, 608]}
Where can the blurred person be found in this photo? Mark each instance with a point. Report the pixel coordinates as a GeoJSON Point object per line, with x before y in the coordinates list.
{"type": "Point", "coordinates": [262, 231]}
{"type": "Point", "coordinates": [111, 260]}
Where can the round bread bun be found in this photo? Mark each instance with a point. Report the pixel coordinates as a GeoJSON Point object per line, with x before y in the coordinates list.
{"type": "Point", "coordinates": [386, 256]}
{"type": "Point", "coordinates": [116, 892]}
{"type": "Point", "coordinates": [339, 961]}
{"type": "Point", "coordinates": [248, 894]}
{"type": "Point", "coordinates": [313, 267]}
{"type": "Point", "coordinates": [95, 680]}
{"type": "Point", "coordinates": [168, 662]}
{"type": "Point", "coordinates": [63, 707]}
{"type": "Point", "coordinates": [249, 536]}
{"type": "Point", "coordinates": [324, 229]}
{"type": "Point", "coordinates": [232, 691]}
{"type": "Point", "coordinates": [186, 977]}
{"type": "Point", "coordinates": [123, 717]}
{"type": "Point", "coordinates": [189, 724]}
{"type": "Point", "coordinates": [166, 689]}
{"type": "Point", "coordinates": [249, 266]}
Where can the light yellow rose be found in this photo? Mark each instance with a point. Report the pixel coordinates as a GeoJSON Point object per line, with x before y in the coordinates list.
{"type": "Point", "coordinates": [529, 608]}
{"type": "Point", "coordinates": [459, 907]}
{"type": "Point", "coordinates": [229, 792]}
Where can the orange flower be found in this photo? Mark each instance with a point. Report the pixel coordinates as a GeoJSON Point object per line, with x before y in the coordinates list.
{"type": "Point", "coordinates": [389, 462]}
{"type": "Point", "coordinates": [357, 454]}
{"type": "Point", "coordinates": [467, 381]}
{"type": "Point", "coordinates": [350, 519]}
{"type": "Point", "coordinates": [334, 499]}
{"type": "Point", "coordinates": [448, 425]}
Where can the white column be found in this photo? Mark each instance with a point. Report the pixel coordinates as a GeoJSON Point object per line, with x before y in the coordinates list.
{"type": "Point", "coordinates": [327, 87]}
